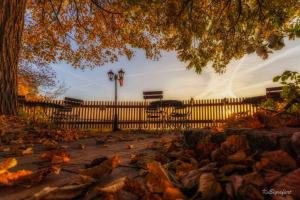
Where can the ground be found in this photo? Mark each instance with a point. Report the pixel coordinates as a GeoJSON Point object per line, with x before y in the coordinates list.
{"type": "Point", "coordinates": [120, 144]}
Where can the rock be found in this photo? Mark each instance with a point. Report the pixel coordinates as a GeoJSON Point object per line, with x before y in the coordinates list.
{"type": "Point", "coordinates": [209, 187]}
{"type": "Point", "coordinates": [238, 131]}
{"type": "Point", "coordinates": [125, 195]}
{"type": "Point", "coordinates": [248, 191]}
{"type": "Point", "coordinates": [237, 157]}
{"type": "Point", "coordinates": [262, 141]}
{"type": "Point", "coordinates": [236, 182]}
{"type": "Point", "coordinates": [295, 143]}
{"type": "Point", "coordinates": [209, 167]}
{"type": "Point", "coordinates": [270, 176]}
{"type": "Point", "coordinates": [194, 137]}
{"type": "Point", "coordinates": [276, 160]}
{"type": "Point", "coordinates": [285, 145]}
{"type": "Point", "coordinates": [191, 179]}
{"type": "Point", "coordinates": [289, 183]}
{"type": "Point", "coordinates": [233, 168]}
{"type": "Point", "coordinates": [217, 155]}
{"type": "Point", "coordinates": [253, 178]}
{"type": "Point", "coordinates": [234, 143]}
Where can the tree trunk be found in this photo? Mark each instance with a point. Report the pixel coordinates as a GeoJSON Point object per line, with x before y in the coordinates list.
{"type": "Point", "coordinates": [12, 13]}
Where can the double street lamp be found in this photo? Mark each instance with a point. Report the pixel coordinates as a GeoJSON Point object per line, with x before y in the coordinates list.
{"type": "Point", "coordinates": [116, 77]}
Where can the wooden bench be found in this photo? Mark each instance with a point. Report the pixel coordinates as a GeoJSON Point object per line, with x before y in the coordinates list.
{"type": "Point", "coordinates": [153, 95]}
{"type": "Point", "coordinates": [64, 113]}
{"type": "Point", "coordinates": [274, 93]}
{"type": "Point", "coordinates": [153, 112]}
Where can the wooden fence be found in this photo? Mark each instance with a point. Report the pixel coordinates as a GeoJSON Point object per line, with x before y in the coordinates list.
{"type": "Point", "coordinates": [132, 114]}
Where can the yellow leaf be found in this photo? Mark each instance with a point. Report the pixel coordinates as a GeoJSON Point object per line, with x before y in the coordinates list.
{"type": "Point", "coordinates": [7, 164]}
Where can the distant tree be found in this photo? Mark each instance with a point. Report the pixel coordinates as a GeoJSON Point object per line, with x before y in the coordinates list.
{"type": "Point", "coordinates": [90, 33]}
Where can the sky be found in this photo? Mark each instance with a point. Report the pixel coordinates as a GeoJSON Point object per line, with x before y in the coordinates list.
{"type": "Point", "coordinates": [246, 77]}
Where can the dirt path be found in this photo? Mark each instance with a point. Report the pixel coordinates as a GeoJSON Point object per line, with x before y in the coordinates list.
{"type": "Point", "coordinates": [79, 157]}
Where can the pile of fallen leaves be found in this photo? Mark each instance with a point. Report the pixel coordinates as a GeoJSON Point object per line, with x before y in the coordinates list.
{"type": "Point", "coordinates": [262, 119]}
{"type": "Point", "coordinates": [21, 130]}
{"type": "Point", "coordinates": [215, 166]}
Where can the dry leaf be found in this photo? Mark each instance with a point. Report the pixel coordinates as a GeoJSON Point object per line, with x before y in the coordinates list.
{"type": "Point", "coordinates": [238, 156]}
{"type": "Point", "coordinates": [67, 192]}
{"type": "Point", "coordinates": [172, 193]}
{"type": "Point", "coordinates": [49, 144]}
{"type": "Point", "coordinates": [56, 157]}
{"type": "Point", "coordinates": [104, 168]}
{"type": "Point", "coordinates": [113, 186]}
{"type": "Point", "coordinates": [234, 143]}
{"type": "Point", "coordinates": [289, 182]}
{"type": "Point", "coordinates": [276, 160]}
{"type": "Point", "coordinates": [82, 146]}
{"type": "Point", "coordinates": [133, 158]}
{"type": "Point", "coordinates": [253, 178]}
{"type": "Point", "coordinates": [130, 146]}
{"type": "Point", "coordinates": [56, 169]}
{"type": "Point", "coordinates": [7, 164]}
{"type": "Point", "coordinates": [250, 192]}
{"type": "Point", "coordinates": [191, 179]}
{"type": "Point", "coordinates": [9, 178]}
{"type": "Point", "coordinates": [157, 178]}
{"type": "Point", "coordinates": [209, 186]}
{"type": "Point", "coordinates": [271, 175]}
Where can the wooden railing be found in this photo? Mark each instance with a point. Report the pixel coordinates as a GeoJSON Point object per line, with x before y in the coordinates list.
{"type": "Point", "coordinates": [132, 114]}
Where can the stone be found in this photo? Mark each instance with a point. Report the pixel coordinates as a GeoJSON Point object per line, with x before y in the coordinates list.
{"type": "Point", "coordinates": [295, 143]}
{"type": "Point", "coordinates": [289, 183]}
{"type": "Point", "coordinates": [276, 160]}
{"type": "Point", "coordinates": [194, 137]}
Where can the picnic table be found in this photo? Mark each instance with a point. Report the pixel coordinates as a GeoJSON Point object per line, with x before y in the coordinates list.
{"type": "Point", "coordinates": [173, 113]}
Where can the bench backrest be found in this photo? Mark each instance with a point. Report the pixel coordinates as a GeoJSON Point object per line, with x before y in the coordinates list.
{"type": "Point", "coordinates": [153, 95]}
{"type": "Point", "coordinates": [273, 92]}
{"type": "Point", "coordinates": [73, 101]}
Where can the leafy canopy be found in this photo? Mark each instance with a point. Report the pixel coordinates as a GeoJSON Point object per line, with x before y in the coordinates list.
{"type": "Point", "coordinates": [90, 33]}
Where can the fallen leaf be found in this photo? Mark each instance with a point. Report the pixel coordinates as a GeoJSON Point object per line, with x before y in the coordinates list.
{"type": "Point", "coordinates": [114, 186]}
{"type": "Point", "coordinates": [9, 178]}
{"type": "Point", "coordinates": [234, 143]}
{"type": "Point", "coordinates": [96, 162]}
{"type": "Point", "coordinates": [276, 160]}
{"type": "Point", "coordinates": [56, 169]}
{"type": "Point", "coordinates": [82, 146]}
{"type": "Point", "coordinates": [7, 164]}
{"type": "Point", "coordinates": [104, 168]}
{"type": "Point", "coordinates": [191, 179]}
{"type": "Point", "coordinates": [56, 157]}
{"type": "Point", "coordinates": [27, 151]}
{"type": "Point", "coordinates": [289, 182]}
{"type": "Point", "coordinates": [133, 158]}
{"type": "Point", "coordinates": [270, 175]}
{"type": "Point", "coordinates": [254, 178]}
{"type": "Point", "coordinates": [172, 193]}
{"type": "Point", "coordinates": [209, 187]}
{"type": "Point", "coordinates": [67, 192]}
{"type": "Point", "coordinates": [248, 191]}
{"type": "Point", "coordinates": [238, 156]}
{"type": "Point", "coordinates": [130, 146]}
{"type": "Point", "coordinates": [157, 178]}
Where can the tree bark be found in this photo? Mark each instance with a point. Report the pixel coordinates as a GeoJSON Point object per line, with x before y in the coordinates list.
{"type": "Point", "coordinates": [12, 13]}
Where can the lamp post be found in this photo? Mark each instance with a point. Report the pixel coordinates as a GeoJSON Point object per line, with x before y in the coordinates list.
{"type": "Point", "coordinates": [116, 77]}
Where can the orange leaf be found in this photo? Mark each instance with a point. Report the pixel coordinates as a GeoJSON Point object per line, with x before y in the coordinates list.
{"type": "Point", "coordinates": [8, 178]}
